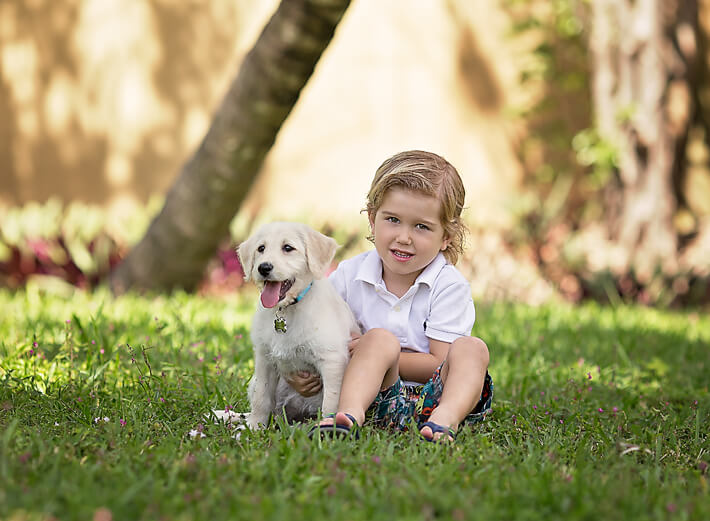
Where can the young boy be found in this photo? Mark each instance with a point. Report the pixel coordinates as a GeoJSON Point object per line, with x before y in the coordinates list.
{"type": "Point", "coordinates": [414, 307]}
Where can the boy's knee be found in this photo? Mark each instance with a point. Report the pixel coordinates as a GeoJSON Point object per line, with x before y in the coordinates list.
{"type": "Point", "coordinates": [471, 346]}
{"type": "Point", "coordinates": [383, 340]}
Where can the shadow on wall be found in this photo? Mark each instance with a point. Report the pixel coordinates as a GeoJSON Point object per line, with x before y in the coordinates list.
{"type": "Point", "coordinates": [105, 100]}
{"type": "Point", "coordinates": [93, 93]}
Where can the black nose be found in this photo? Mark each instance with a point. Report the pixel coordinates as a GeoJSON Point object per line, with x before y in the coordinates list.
{"type": "Point", "coordinates": [265, 268]}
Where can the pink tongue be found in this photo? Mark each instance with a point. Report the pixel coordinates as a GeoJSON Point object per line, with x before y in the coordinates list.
{"type": "Point", "coordinates": [270, 294]}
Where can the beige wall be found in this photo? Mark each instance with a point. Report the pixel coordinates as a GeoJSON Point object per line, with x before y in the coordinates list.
{"type": "Point", "coordinates": [102, 100]}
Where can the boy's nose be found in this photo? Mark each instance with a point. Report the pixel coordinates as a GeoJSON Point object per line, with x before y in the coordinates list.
{"type": "Point", "coordinates": [403, 237]}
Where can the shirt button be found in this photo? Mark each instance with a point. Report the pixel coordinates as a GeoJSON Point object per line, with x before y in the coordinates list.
{"type": "Point", "coordinates": [397, 309]}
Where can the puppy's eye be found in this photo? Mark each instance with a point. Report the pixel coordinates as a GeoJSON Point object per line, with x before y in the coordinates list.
{"type": "Point", "coordinates": [261, 248]}
{"type": "Point", "coordinates": [288, 248]}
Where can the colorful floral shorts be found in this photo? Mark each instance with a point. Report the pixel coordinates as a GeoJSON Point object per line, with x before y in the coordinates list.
{"type": "Point", "coordinates": [398, 405]}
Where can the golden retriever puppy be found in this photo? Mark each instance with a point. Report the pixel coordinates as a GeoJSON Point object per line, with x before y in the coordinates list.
{"type": "Point", "coordinates": [301, 323]}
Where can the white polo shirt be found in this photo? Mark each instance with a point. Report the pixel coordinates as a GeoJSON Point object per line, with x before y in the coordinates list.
{"type": "Point", "coordinates": [437, 306]}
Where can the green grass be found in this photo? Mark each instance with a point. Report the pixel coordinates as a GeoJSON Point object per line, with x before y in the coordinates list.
{"type": "Point", "coordinates": [599, 413]}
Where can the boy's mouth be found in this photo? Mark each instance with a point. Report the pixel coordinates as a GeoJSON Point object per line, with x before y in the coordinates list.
{"type": "Point", "coordinates": [402, 255]}
{"type": "Point", "coordinates": [274, 292]}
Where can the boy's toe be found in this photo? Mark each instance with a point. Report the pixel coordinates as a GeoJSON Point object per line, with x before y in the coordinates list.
{"type": "Point", "coordinates": [429, 430]}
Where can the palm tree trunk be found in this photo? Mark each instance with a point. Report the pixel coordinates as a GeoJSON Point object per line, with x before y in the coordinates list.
{"type": "Point", "coordinates": [214, 182]}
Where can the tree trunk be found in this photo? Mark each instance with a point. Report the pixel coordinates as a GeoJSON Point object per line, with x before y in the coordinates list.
{"type": "Point", "coordinates": [643, 105]}
{"type": "Point", "coordinates": [213, 183]}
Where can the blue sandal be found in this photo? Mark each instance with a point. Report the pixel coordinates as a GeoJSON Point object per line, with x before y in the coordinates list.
{"type": "Point", "coordinates": [336, 431]}
{"type": "Point", "coordinates": [435, 427]}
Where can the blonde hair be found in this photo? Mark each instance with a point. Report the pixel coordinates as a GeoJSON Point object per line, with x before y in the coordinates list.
{"type": "Point", "coordinates": [429, 174]}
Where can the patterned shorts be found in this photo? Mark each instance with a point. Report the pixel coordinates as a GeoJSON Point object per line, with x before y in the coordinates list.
{"type": "Point", "coordinates": [396, 406]}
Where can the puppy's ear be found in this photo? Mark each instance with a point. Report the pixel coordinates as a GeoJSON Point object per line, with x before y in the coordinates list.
{"type": "Point", "coordinates": [246, 252]}
{"type": "Point", "coordinates": [320, 251]}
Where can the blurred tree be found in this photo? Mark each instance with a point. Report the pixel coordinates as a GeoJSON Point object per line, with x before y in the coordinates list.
{"type": "Point", "coordinates": [622, 212]}
{"type": "Point", "coordinates": [213, 183]}
{"type": "Point", "coordinates": [644, 56]}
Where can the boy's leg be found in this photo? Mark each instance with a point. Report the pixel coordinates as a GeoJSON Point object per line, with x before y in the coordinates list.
{"type": "Point", "coordinates": [374, 365]}
{"type": "Point", "coordinates": [463, 375]}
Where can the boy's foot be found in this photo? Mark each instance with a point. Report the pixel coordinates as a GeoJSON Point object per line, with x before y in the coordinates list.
{"type": "Point", "coordinates": [435, 433]}
{"type": "Point", "coordinates": [340, 425]}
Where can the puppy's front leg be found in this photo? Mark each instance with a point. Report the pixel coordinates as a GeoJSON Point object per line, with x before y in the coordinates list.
{"type": "Point", "coordinates": [262, 391]}
{"type": "Point", "coordinates": [332, 372]}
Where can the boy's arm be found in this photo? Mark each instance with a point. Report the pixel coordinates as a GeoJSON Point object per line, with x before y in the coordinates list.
{"type": "Point", "coordinates": [418, 367]}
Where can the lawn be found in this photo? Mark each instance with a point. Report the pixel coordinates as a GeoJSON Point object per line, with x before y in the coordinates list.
{"type": "Point", "coordinates": [599, 413]}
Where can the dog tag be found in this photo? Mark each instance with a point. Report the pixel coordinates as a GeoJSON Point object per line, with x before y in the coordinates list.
{"type": "Point", "coordinates": [280, 324]}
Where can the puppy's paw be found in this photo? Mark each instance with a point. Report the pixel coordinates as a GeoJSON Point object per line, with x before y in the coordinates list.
{"type": "Point", "coordinates": [232, 417]}
{"type": "Point", "coordinates": [255, 421]}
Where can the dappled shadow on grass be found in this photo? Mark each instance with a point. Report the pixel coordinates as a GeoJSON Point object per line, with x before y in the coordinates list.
{"type": "Point", "coordinates": [112, 430]}
{"type": "Point", "coordinates": [628, 350]}
{"type": "Point", "coordinates": [615, 383]}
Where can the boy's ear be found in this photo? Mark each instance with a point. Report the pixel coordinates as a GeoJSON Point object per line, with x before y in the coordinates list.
{"type": "Point", "coordinates": [320, 251]}
{"type": "Point", "coordinates": [446, 242]}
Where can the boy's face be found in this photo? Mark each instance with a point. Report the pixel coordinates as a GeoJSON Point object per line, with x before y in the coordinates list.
{"type": "Point", "coordinates": [408, 236]}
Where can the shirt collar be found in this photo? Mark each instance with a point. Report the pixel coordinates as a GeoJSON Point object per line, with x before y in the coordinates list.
{"type": "Point", "coordinates": [370, 270]}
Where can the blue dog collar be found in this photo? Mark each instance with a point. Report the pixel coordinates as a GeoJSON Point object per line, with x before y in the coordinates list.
{"type": "Point", "coordinates": [303, 293]}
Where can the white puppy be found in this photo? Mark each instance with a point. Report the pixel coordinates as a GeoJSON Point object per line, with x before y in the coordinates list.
{"type": "Point", "coordinates": [301, 323]}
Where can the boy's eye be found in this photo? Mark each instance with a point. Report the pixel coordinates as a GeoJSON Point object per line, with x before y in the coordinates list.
{"type": "Point", "coordinates": [261, 248]}
{"type": "Point", "coordinates": [422, 226]}
{"type": "Point", "coordinates": [288, 248]}
{"type": "Point", "coordinates": [392, 219]}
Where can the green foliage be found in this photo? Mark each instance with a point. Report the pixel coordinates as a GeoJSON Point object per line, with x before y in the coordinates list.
{"type": "Point", "coordinates": [598, 154]}
{"type": "Point", "coordinates": [599, 413]}
{"type": "Point", "coordinates": [57, 246]}
{"type": "Point", "coordinates": [74, 244]}
{"type": "Point", "coordinates": [559, 73]}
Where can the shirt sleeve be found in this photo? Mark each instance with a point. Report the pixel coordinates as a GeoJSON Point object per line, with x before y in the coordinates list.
{"type": "Point", "coordinates": [451, 314]}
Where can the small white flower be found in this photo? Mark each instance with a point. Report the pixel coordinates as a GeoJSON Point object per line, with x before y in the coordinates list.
{"type": "Point", "coordinates": [56, 424]}
{"type": "Point", "coordinates": [107, 419]}
{"type": "Point", "coordinates": [194, 433]}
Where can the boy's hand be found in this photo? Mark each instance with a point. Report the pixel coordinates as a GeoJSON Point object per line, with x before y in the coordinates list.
{"type": "Point", "coordinates": [305, 383]}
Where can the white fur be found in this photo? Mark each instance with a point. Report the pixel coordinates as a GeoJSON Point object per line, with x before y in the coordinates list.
{"type": "Point", "coordinates": [319, 326]}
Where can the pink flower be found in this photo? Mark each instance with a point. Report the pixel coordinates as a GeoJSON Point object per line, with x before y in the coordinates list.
{"type": "Point", "coordinates": [122, 422]}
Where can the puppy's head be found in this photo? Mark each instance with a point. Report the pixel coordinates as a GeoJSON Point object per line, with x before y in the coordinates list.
{"type": "Point", "coordinates": [284, 258]}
